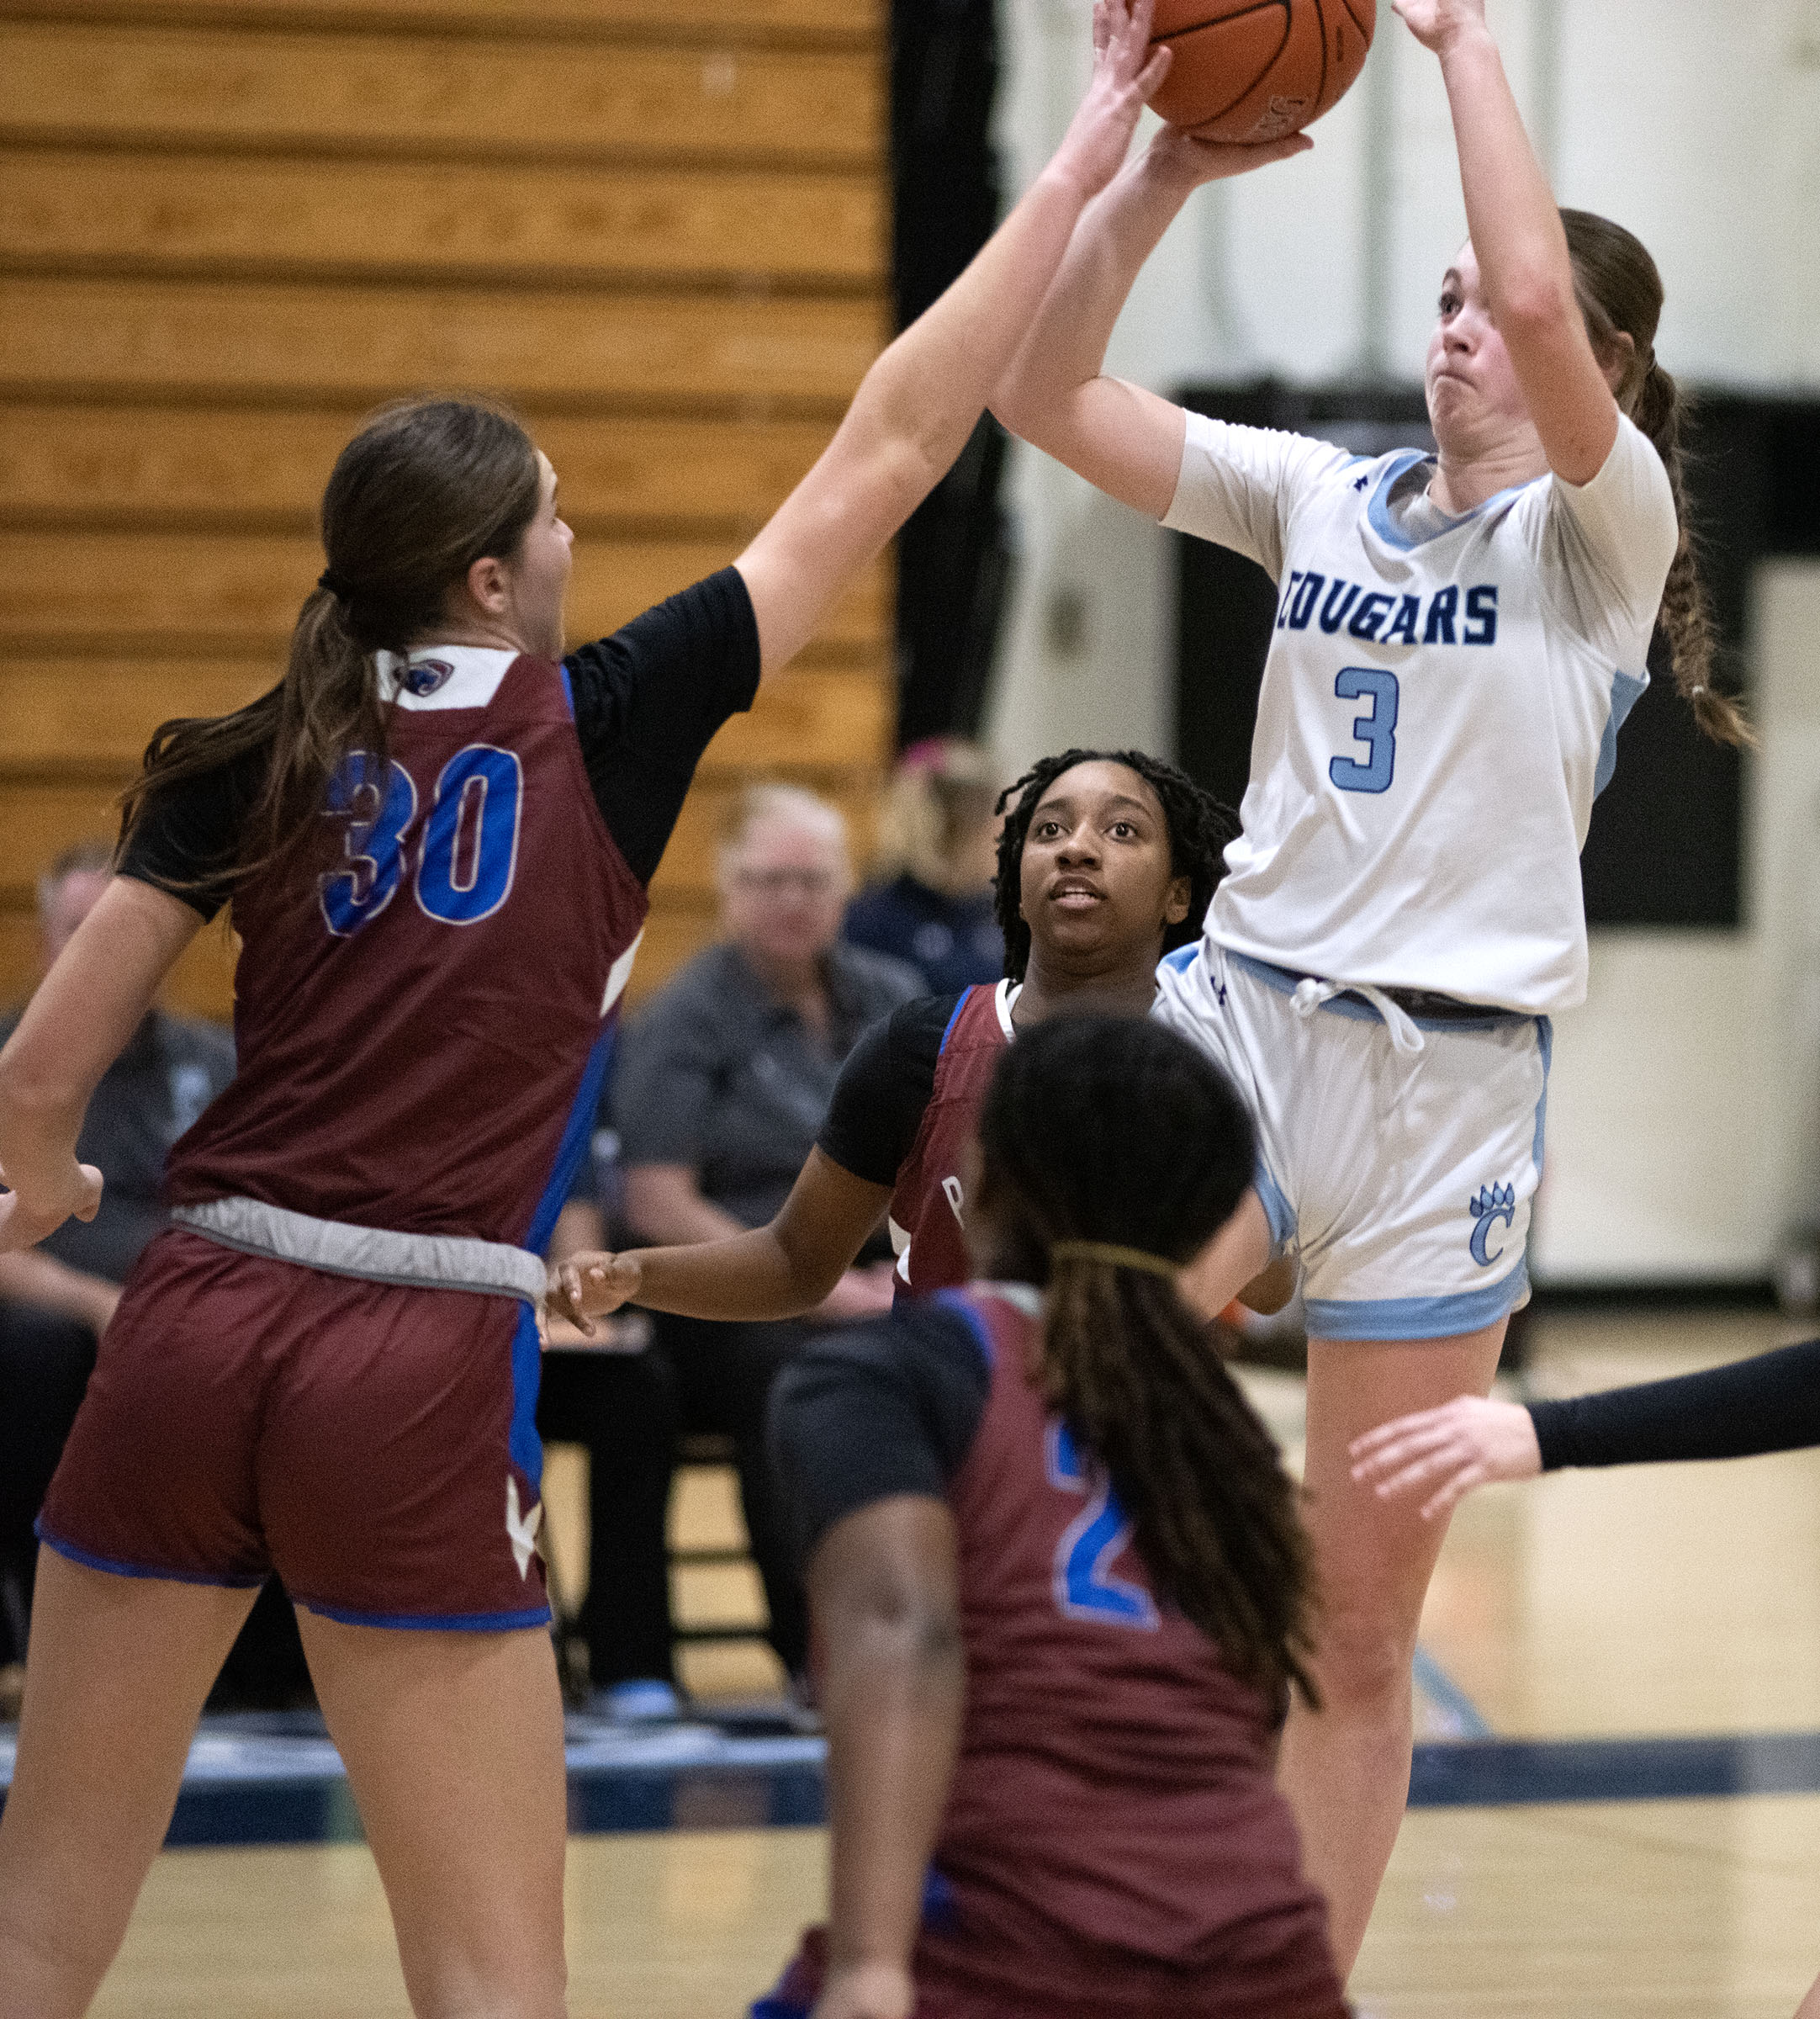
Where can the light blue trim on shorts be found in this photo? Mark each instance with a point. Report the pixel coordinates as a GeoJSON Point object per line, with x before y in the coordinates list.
{"type": "Point", "coordinates": [1278, 1210]}
{"type": "Point", "coordinates": [115, 1568]}
{"type": "Point", "coordinates": [1417, 1317]}
{"type": "Point", "coordinates": [433, 1622]}
{"type": "Point", "coordinates": [1545, 1045]}
{"type": "Point", "coordinates": [1285, 980]}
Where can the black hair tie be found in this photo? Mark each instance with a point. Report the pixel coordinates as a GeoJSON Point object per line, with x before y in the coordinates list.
{"type": "Point", "coordinates": [337, 585]}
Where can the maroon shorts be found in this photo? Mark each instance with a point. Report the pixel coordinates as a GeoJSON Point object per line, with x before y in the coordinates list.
{"type": "Point", "coordinates": [376, 1446]}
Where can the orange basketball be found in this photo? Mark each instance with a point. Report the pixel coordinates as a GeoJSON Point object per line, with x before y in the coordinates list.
{"type": "Point", "coordinates": [1256, 70]}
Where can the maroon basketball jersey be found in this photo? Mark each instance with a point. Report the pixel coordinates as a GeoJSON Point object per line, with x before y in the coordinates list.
{"type": "Point", "coordinates": [1114, 1840]}
{"type": "Point", "coordinates": [423, 1028]}
{"type": "Point", "coordinates": [927, 1204]}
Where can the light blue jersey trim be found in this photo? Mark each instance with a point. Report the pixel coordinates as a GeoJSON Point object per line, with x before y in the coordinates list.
{"type": "Point", "coordinates": [1181, 959]}
{"type": "Point", "coordinates": [1627, 691]}
{"type": "Point", "coordinates": [433, 1622]}
{"type": "Point", "coordinates": [1278, 1210]}
{"type": "Point", "coordinates": [116, 1568]}
{"type": "Point", "coordinates": [1417, 1317]}
{"type": "Point", "coordinates": [1378, 510]}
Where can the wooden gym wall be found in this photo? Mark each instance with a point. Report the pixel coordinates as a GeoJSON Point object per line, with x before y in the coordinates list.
{"type": "Point", "coordinates": [228, 228]}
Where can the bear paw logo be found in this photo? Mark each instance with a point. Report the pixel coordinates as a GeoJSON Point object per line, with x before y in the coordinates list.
{"type": "Point", "coordinates": [1494, 1204]}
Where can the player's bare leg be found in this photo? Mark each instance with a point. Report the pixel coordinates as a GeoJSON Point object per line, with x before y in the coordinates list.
{"type": "Point", "coordinates": [1346, 1769]}
{"type": "Point", "coordinates": [1240, 1251]}
{"type": "Point", "coordinates": [453, 1743]}
{"type": "Point", "coordinates": [116, 1676]}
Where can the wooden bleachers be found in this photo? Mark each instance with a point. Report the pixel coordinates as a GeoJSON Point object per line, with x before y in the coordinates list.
{"type": "Point", "coordinates": [230, 227]}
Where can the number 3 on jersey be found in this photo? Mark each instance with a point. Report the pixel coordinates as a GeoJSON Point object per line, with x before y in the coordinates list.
{"type": "Point", "coordinates": [470, 839]}
{"type": "Point", "coordinates": [1376, 729]}
{"type": "Point", "coordinates": [1084, 1584]}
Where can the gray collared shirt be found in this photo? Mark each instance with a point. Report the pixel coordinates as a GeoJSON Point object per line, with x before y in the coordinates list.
{"type": "Point", "coordinates": [716, 1073]}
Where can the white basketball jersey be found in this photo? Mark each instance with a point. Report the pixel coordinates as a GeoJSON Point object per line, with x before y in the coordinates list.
{"type": "Point", "coordinates": [1440, 707]}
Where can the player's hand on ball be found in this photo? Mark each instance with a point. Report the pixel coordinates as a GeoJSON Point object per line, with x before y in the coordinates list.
{"type": "Point", "coordinates": [1447, 1452]}
{"type": "Point", "coordinates": [867, 1990]}
{"type": "Point", "coordinates": [591, 1285]}
{"type": "Point", "coordinates": [1126, 71]}
{"type": "Point", "coordinates": [1181, 153]}
{"type": "Point", "coordinates": [22, 1224]}
{"type": "Point", "coordinates": [1433, 23]}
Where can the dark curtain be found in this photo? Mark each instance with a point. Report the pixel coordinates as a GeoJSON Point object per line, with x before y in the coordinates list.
{"type": "Point", "coordinates": [953, 556]}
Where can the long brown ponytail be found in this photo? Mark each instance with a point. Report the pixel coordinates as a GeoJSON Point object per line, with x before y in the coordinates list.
{"type": "Point", "coordinates": [1620, 290]}
{"type": "Point", "coordinates": [1109, 1130]}
{"type": "Point", "coordinates": [425, 489]}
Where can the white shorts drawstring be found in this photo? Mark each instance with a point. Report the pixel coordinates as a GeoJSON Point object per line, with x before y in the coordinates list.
{"type": "Point", "coordinates": [1311, 994]}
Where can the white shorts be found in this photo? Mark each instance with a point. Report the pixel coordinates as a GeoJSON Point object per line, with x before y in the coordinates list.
{"type": "Point", "coordinates": [1402, 1180]}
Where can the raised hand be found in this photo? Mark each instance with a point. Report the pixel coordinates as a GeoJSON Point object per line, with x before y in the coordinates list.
{"type": "Point", "coordinates": [23, 1225]}
{"type": "Point", "coordinates": [590, 1285]}
{"type": "Point", "coordinates": [1126, 71]}
{"type": "Point", "coordinates": [1433, 22]}
{"type": "Point", "coordinates": [1464, 1444]}
{"type": "Point", "coordinates": [1184, 155]}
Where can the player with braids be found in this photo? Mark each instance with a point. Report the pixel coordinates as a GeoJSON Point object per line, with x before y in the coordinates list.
{"type": "Point", "coordinates": [1199, 828]}
{"type": "Point", "coordinates": [1107, 860]}
{"type": "Point", "coordinates": [1060, 1588]}
{"type": "Point", "coordinates": [1457, 641]}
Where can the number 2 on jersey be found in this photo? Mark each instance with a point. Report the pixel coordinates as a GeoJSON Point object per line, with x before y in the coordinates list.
{"type": "Point", "coordinates": [1377, 730]}
{"type": "Point", "coordinates": [470, 840]}
{"type": "Point", "coordinates": [1084, 1584]}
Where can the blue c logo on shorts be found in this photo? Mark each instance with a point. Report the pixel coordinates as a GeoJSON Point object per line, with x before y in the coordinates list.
{"type": "Point", "coordinates": [1493, 1203]}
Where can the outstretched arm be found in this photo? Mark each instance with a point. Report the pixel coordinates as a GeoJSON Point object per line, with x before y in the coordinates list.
{"type": "Point", "coordinates": [777, 1271]}
{"type": "Point", "coordinates": [75, 1026]}
{"type": "Point", "coordinates": [882, 1587]}
{"type": "Point", "coordinates": [1120, 438]}
{"type": "Point", "coordinates": [920, 401]}
{"type": "Point", "coordinates": [1521, 249]}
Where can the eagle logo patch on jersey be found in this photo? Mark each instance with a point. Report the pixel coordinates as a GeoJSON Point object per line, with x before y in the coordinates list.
{"type": "Point", "coordinates": [1493, 1203]}
{"type": "Point", "coordinates": [423, 676]}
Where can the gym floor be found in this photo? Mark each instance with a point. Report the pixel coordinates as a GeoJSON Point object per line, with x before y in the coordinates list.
{"type": "Point", "coordinates": [1649, 1637]}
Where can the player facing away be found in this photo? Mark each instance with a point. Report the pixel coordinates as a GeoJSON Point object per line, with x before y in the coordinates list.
{"type": "Point", "coordinates": [1059, 1589]}
{"type": "Point", "coordinates": [1457, 640]}
{"type": "Point", "coordinates": [1769, 1403]}
{"type": "Point", "coordinates": [435, 835]}
{"type": "Point", "coordinates": [1106, 860]}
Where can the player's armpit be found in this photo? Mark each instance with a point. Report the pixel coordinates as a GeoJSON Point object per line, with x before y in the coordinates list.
{"type": "Point", "coordinates": [1268, 1291]}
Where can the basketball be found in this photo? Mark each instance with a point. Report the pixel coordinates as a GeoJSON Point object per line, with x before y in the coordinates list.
{"type": "Point", "coordinates": [1256, 70]}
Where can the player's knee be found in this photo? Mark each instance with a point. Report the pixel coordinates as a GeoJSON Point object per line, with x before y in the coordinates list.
{"type": "Point", "coordinates": [1362, 1660]}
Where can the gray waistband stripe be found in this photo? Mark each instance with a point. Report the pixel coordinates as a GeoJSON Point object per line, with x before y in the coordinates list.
{"type": "Point", "coordinates": [490, 1269]}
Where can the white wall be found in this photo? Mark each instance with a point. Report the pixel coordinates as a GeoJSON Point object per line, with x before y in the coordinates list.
{"type": "Point", "coordinates": [1683, 1111]}
{"type": "Point", "coordinates": [1678, 1142]}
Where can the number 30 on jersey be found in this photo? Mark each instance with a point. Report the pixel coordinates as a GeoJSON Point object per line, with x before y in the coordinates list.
{"type": "Point", "coordinates": [469, 852]}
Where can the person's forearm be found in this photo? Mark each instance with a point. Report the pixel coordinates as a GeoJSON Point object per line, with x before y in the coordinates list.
{"type": "Point", "coordinates": [1065, 346]}
{"type": "Point", "coordinates": [38, 1279]}
{"type": "Point", "coordinates": [892, 1703]}
{"type": "Point", "coordinates": [1770, 1402]}
{"type": "Point", "coordinates": [751, 1275]}
{"type": "Point", "coordinates": [1512, 214]}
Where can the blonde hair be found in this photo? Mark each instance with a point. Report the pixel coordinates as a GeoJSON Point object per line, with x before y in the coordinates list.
{"type": "Point", "coordinates": [942, 791]}
{"type": "Point", "coordinates": [793, 803]}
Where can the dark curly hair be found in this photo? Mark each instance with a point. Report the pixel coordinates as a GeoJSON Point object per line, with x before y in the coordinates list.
{"type": "Point", "coordinates": [1112, 1129]}
{"type": "Point", "coordinates": [1199, 828]}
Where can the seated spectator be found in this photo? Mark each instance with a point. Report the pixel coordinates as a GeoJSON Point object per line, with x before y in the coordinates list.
{"type": "Point", "coordinates": [56, 1299]}
{"type": "Point", "coordinates": [930, 902]}
{"type": "Point", "coordinates": [722, 1081]}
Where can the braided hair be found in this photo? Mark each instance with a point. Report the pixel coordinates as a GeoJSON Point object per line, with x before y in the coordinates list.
{"type": "Point", "coordinates": [1199, 828]}
{"type": "Point", "coordinates": [1113, 1130]}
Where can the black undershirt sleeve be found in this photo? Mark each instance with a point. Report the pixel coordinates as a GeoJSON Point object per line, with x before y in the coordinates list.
{"type": "Point", "coordinates": [883, 1089]}
{"type": "Point", "coordinates": [648, 701]}
{"type": "Point", "coordinates": [187, 840]}
{"type": "Point", "coordinates": [874, 1410]}
{"type": "Point", "coordinates": [1768, 1403]}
